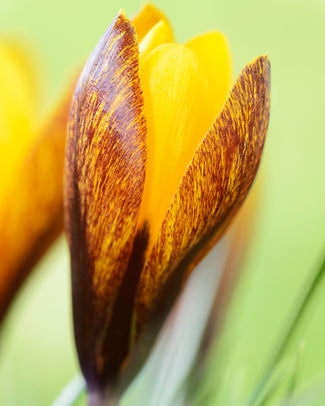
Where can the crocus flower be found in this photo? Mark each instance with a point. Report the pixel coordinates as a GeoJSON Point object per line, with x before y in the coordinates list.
{"type": "Point", "coordinates": [159, 159]}
{"type": "Point", "coordinates": [31, 209]}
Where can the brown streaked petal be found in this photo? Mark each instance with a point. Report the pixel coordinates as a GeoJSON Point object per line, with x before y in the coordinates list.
{"type": "Point", "coordinates": [104, 174]}
{"type": "Point", "coordinates": [146, 18]}
{"type": "Point", "coordinates": [31, 216]}
{"type": "Point", "coordinates": [212, 189]}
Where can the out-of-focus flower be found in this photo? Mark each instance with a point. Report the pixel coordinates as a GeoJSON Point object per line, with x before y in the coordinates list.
{"type": "Point", "coordinates": [158, 162]}
{"type": "Point", "coordinates": [31, 161]}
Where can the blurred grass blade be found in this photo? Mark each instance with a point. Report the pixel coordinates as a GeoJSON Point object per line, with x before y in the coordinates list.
{"type": "Point", "coordinates": [267, 395]}
{"type": "Point", "coordinates": [298, 314]}
{"type": "Point", "coordinates": [288, 399]}
{"type": "Point", "coordinates": [71, 393]}
{"type": "Point", "coordinates": [285, 374]}
{"type": "Point", "coordinates": [309, 397]}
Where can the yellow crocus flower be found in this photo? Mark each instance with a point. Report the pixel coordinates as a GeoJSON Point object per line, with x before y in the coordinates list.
{"type": "Point", "coordinates": [161, 152]}
{"type": "Point", "coordinates": [31, 161]}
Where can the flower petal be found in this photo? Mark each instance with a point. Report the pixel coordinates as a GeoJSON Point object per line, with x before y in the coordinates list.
{"type": "Point", "coordinates": [212, 189]}
{"type": "Point", "coordinates": [31, 214]}
{"type": "Point", "coordinates": [18, 100]}
{"type": "Point", "coordinates": [146, 18]}
{"type": "Point", "coordinates": [177, 107]}
{"type": "Point", "coordinates": [105, 170]}
{"type": "Point", "coordinates": [161, 33]}
{"type": "Point", "coordinates": [214, 54]}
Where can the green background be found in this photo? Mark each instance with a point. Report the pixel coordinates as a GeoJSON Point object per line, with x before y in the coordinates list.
{"type": "Point", "coordinates": [37, 357]}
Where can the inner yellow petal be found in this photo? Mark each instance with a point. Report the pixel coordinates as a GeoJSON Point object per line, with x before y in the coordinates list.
{"type": "Point", "coordinates": [161, 33]}
{"type": "Point", "coordinates": [178, 108]}
{"type": "Point", "coordinates": [146, 18]}
{"type": "Point", "coordinates": [17, 110]}
{"type": "Point", "coordinates": [214, 53]}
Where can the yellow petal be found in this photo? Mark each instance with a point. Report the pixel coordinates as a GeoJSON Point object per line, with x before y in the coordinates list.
{"type": "Point", "coordinates": [160, 34]}
{"type": "Point", "coordinates": [178, 113]}
{"type": "Point", "coordinates": [212, 189]}
{"type": "Point", "coordinates": [105, 158]}
{"type": "Point", "coordinates": [146, 18]}
{"type": "Point", "coordinates": [214, 53]}
{"type": "Point", "coordinates": [31, 213]}
{"type": "Point", "coordinates": [17, 110]}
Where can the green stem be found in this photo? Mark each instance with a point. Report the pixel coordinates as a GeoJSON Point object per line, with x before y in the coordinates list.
{"type": "Point", "coordinates": [293, 325]}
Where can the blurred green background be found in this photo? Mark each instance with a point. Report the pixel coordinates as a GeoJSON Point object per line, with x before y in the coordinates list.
{"type": "Point", "coordinates": [37, 356]}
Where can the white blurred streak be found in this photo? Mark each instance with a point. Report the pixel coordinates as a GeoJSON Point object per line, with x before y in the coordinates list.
{"type": "Point", "coordinates": [179, 341]}
{"type": "Point", "coordinates": [71, 392]}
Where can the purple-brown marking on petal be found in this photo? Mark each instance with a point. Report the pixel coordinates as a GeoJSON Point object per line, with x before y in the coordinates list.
{"type": "Point", "coordinates": [212, 189]}
{"type": "Point", "coordinates": [104, 177]}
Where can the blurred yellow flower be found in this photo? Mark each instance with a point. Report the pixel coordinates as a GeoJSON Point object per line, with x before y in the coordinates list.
{"type": "Point", "coordinates": [31, 163]}
{"type": "Point", "coordinates": [158, 162]}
